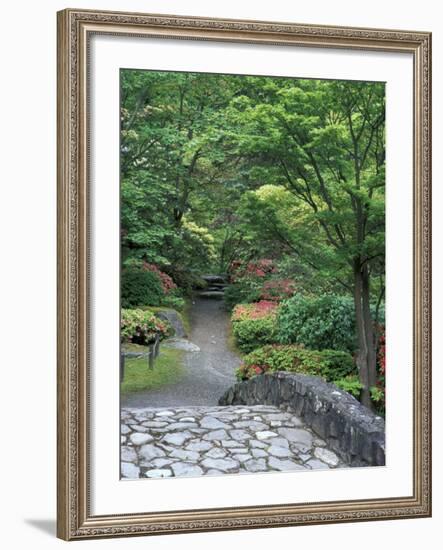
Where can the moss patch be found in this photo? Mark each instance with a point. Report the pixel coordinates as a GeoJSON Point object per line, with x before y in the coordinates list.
{"type": "Point", "coordinates": [185, 316]}
{"type": "Point", "coordinates": [168, 369]}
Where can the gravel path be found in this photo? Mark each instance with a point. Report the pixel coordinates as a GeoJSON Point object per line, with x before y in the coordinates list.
{"type": "Point", "coordinates": [208, 372]}
{"type": "Point", "coordinates": [196, 441]}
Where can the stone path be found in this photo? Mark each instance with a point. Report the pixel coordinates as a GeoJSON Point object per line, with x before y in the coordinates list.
{"type": "Point", "coordinates": [209, 365]}
{"type": "Point", "coordinates": [196, 441]}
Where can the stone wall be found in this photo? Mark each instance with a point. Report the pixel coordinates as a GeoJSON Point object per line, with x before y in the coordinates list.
{"type": "Point", "coordinates": [351, 430]}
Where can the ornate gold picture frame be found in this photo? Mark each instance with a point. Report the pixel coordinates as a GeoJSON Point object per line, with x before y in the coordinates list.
{"type": "Point", "coordinates": [76, 519]}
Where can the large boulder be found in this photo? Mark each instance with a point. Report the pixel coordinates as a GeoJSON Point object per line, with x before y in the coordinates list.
{"type": "Point", "coordinates": [174, 319]}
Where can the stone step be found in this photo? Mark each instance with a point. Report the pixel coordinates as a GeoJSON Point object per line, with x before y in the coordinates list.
{"type": "Point", "coordinates": [214, 279]}
{"type": "Point", "coordinates": [211, 294]}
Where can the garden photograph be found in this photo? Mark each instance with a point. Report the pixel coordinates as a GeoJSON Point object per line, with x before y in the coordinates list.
{"type": "Point", "coordinates": [252, 282]}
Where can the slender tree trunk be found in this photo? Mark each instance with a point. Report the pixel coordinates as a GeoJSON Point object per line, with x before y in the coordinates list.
{"type": "Point", "coordinates": [365, 332]}
{"type": "Point", "coordinates": [369, 327]}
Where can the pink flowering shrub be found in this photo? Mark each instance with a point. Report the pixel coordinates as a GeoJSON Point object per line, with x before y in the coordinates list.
{"type": "Point", "coordinates": [257, 310]}
{"type": "Point", "coordinates": [140, 326]}
{"type": "Point", "coordinates": [167, 283]}
{"type": "Point", "coordinates": [254, 269]}
{"type": "Point", "coordinates": [277, 290]}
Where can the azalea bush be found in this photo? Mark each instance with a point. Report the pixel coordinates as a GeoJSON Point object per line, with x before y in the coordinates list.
{"type": "Point", "coordinates": [378, 392]}
{"type": "Point", "coordinates": [254, 325]}
{"type": "Point", "coordinates": [277, 290]}
{"type": "Point", "coordinates": [166, 281]}
{"type": "Point", "coordinates": [258, 310]}
{"type": "Point", "coordinates": [328, 364]}
{"type": "Point", "coordinates": [246, 281]}
{"type": "Point", "coordinates": [147, 285]}
{"type": "Point", "coordinates": [258, 269]}
{"type": "Point", "coordinates": [138, 326]}
{"type": "Point", "coordinates": [140, 287]}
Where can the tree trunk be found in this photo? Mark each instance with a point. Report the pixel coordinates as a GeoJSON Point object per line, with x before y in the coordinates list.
{"type": "Point", "coordinates": [369, 327]}
{"type": "Point", "coordinates": [366, 355]}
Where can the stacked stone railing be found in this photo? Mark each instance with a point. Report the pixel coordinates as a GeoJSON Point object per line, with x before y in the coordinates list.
{"type": "Point", "coordinates": [351, 430]}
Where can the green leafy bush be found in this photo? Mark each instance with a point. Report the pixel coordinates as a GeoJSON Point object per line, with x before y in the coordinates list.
{"type": "Point", "coordinates": [327, 322]}
{"type": "Point", "coordinates": [328, 364]}
{"type": "Point", "coordinates": [243, 291]}
{"type": "Point", "coordinates": [351, 384]}
{"type": "Point", "coordinates": [139, 326]}
{"type": "Point", "coordinates": [253, 325]}
{"type": "Point", "coordinates": [174, 301]}
{"type": "Point", "coordinates": [140, 287]}
{"type": "Point", "coordinates": [254, 332]}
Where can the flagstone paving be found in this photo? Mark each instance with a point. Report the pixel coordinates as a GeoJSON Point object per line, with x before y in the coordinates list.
{"type": "Point", "coordinates": [196, 441]}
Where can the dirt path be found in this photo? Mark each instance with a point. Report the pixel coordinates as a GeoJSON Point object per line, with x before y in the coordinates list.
{"type": "Point", "coordinates": [208, 372]}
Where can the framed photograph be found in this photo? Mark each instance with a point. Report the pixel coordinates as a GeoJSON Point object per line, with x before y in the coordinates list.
{"type": "Point", "coordinates": [244, 251]}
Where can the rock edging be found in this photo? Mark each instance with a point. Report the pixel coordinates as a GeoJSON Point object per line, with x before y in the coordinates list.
{"type": "Point", "coordinates": [351, 430]}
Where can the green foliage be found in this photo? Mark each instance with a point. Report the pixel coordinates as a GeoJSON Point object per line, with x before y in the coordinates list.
{"type": "Point", "coordinates": [325, 322]}
{"type": "Point", "coordinates": [252, 333]}
{"type": "Point", "coordinates": [378, 397]}
{"type": "Point", "coordinates": [168, 369]}
{"type": "Point", "coordinates": [140, 326]}
{"type": "Point", "coordinates": [174, 302]}
{"type": "Point", "coordinates": [350, 384]}
{"type": "Point", "coordinates": [254, 324]}
{"type": "Point", "coordinates": [328, 364]}
{"type": "Point", "coordinates": [140, 288]}
{"type": "Point", "coordinates": [243, 291]}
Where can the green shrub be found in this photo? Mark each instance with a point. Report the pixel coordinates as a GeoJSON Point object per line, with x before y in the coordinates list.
{"type": "Point", "coordinates": [244, 291]}
{"type": "Point", "coordinates": [140, 288]}
{"type": "Point", "coordinates": [327, 322]}
{"type": "Point", "coordinates": [173, 301]}
{"type": "Point", "coordinates": [328, 364]}
{"type": "Point", "coordinates": [254, 325]}
{"type": "Point", "coordinates": [351, 384]}
{"type": "Point", "coordinates": [378, 398]}
{"type": "Point", "coordinates": [139, 326]}
{"type": "Point", "coordinates": [253, 333]}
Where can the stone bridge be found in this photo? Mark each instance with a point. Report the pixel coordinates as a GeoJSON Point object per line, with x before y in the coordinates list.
{"type": "Point", "coordinates": [276, 422]}
{"type": "Point", "coordinates": [196, 441]}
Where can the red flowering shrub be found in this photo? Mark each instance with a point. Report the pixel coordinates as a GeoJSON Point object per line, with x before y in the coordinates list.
{"type": "Point", "coordinates": [382, 354]}
{"type": "Point", "coordinates": [378, 393]}
{"type": "Point", "coordinates": [257, 310]}
{"type": "Point", "coordinates": [166, 281]}
{"type": "Point", "coordinates": [278, 290]}
{"type": "Point", "coordinates": [254, 269]}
